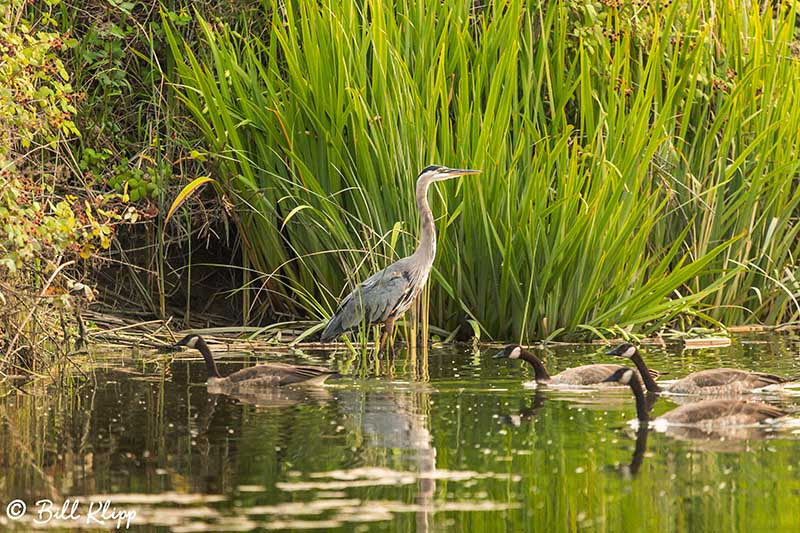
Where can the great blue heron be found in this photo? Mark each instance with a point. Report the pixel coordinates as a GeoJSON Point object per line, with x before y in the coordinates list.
{"type": "Point", "coordinates": [387, 294]}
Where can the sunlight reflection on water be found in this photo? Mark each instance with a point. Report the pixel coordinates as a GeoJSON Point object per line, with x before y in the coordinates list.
{"type": "Point", "coordinates": [470, 447]}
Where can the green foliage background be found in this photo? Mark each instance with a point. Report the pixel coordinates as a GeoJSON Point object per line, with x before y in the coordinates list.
{"type": "Point", "coordinates": [639, 160]}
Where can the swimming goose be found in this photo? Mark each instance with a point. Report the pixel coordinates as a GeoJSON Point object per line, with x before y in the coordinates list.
{"type": "Point", "coordinates": [256, 377]}
{"type": "Point", "coordinates": [706, 414]}
{"type": "Point", "coordinates": [579, 375]}
{"type": "Point", "coordinates": [716, 381]}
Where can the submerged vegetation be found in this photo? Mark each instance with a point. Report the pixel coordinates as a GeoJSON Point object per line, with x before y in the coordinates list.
{"type": "Point", "coordinates": [639, 159]}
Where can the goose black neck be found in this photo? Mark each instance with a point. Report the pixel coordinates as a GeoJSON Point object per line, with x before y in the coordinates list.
{"type": "Point", "coordinates": [538, 367]}
{"type": "Point", "coordinates": [641, 402]}
{"type": "Point", "coordinates": [640, 449]}
{"type": "Point", "coordinates": [649, 382]}
{"type": "Point", "coordinates": [211, 366]}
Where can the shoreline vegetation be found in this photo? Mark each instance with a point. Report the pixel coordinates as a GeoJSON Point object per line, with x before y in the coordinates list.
{"type": "Point", "coordinates": [113, 330]}
{"type": "Point", "coordinates": [639, 166]}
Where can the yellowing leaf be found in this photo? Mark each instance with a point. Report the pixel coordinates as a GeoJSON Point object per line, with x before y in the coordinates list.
{"type": "Point", "coordinates": [293, 212]}
{"type": "Point", "coordinates": [200, 156]}
{"type": "Point", "coordinates": [184, 194]}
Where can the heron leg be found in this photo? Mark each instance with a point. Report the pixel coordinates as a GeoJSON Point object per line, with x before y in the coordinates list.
{"type": "Point", "coordinates": [382, 341]}
{"type": "Point", "coordinates": [386, 336]}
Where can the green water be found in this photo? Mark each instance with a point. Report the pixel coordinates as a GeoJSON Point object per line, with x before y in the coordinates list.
{"type": "Point", "coordinates": [455, 445]}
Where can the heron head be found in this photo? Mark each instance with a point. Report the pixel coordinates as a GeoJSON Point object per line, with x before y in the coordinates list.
{"type": "Point", "coordinates": [623, 375]}
{"type": "Point", "coordinates": [625, 350]}
{"type": "Point", "coordinates": [440, 173]}
{"type": "Point", "coordinates": [190, 341]}
{"type": "Point", "coordinates": [512, 351]}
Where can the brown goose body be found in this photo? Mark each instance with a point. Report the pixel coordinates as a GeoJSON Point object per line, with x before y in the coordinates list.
{"type": "Point", "coordinates": [722, 412]}
{"type": "Point", "coordinates": [707, 415]}
{"type": "Point", "coordinates": [257, 377]}
{"type": "Point", "coordinates": [584, 375]}
{"type": "Point", "coordinates": [724, 381]}
{"type": "Point", "coordinates": [712, 382]}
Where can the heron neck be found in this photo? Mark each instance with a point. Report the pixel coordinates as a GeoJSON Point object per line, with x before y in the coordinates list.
{"type": "Point", "coordinates": [426, 249]}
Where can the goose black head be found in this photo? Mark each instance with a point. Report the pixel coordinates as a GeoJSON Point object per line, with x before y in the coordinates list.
{"type": "Point", "coordinates": [512, 351]}
{"type": "Point", "coordinates": [625, 350]}
{"type": "Point", "coordinates": [190, 341]}
{"type": "Point", "coordinates": [623, 375]}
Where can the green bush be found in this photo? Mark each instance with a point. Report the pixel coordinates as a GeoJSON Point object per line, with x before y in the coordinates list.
{"type": "Point", "coordinates": [36, 109]}
{"type": "Point", "coordinates": [46, 222]}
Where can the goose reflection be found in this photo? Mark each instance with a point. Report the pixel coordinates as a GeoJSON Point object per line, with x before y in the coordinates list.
{"type": "Point", "coordinates": [720, 425]}
{"type": "Point", "coordinates": [275, 398]}
{"type": "Point", "coordinates": [630, 470]}
{"type": "Point", "coordinates": [729, 439]}
{"type": "Point", "coordinates": [721, 439]}
{"type": "Point", "coordinates": [525, 414]}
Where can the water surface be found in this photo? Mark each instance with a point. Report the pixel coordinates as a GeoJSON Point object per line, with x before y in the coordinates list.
{"type": "Point", "coordinates": [455, 444]}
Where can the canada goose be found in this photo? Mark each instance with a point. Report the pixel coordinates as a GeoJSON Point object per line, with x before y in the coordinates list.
{"type": "Point", "coordinates": [256, 377]}
{"type": "Point", "coordinates": [579, 375]}
{"type": "Point", "coordinates": [716, 381]}
{"type": "Point", "coordinates": [706, 414]}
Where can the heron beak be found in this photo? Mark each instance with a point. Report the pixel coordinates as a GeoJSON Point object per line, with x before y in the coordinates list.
{"type": "Point", "coordinates": [461, 172]}
{"type": "Point", "coordinates": [500, 355]}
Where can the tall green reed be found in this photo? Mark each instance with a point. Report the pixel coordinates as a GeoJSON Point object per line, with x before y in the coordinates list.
{"type": "Point", "coordinates": [638, 164]}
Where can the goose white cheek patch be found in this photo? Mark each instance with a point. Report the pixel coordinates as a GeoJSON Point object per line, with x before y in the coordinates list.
{"type": "Point", "coordinates": [630, 351]}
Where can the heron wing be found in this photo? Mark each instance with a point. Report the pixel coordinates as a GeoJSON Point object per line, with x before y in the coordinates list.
{"type": "Point", "coordinates": [383, 295]}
